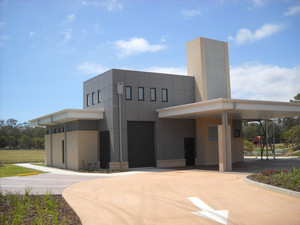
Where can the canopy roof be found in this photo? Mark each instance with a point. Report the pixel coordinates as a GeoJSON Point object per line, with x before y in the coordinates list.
{"type": "Point", "coordinates": [67, 115]}
{"type": "Point", "coordinates": [236, 109]}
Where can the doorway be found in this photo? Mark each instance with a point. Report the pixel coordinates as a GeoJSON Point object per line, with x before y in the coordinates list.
{"type": "Point", "coordinates": [104, 149]}
{"type": "Point", "coordinates": [189, 151]}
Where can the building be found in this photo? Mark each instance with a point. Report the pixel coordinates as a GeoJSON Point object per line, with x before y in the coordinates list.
{"type": "Point", "coordinates": [142, 119]}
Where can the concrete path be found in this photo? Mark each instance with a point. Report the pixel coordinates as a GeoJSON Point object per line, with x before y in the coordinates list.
{"type": "Point", "coordinates": [55, 180]}
{"type": "Point", "coordinates": [162, 198]}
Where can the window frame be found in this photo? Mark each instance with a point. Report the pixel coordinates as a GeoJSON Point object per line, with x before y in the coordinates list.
{"type": "Point", "coordinates": [99, 96]}
{"type": "Point", "coordinates": [130, 92]}
{"type": "Point", "coordinates": [153, 89]}
{"type": "Point", "coordinates": [88, 100]}
{"type": "Point", "coordinates": [143, 91]}
{"type": "Point", "coordinates": [162, 95]}
{"type": "Point", "coordinates": [93, 98]}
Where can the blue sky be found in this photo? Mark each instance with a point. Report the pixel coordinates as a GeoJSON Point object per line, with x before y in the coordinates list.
{"type": "Point", "coordinates": [48, 48]}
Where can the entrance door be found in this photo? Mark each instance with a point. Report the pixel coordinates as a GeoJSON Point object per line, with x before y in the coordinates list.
{"type": "Point", "coordinates": [104, 149]}
{"type": "Point", "coordinates": [189, 151]}
{"type": "Point", "coordinates": [140, 144]}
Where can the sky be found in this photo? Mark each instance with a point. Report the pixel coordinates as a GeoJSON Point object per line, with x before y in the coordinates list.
{"type": "Point", "coordinates": [48, 48]}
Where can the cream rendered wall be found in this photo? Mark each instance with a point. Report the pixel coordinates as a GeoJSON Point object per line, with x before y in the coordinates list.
{"type": "Point", "coordinates": [47, 150]}
{"type": "Point", "coordinates": [72, 150]}
{"type": "Point", "coordinates": [57, 150]}
{"type": "Point", "coordinates": [87, 148]}
{"type": "Point", "coordinates": [207, 151]}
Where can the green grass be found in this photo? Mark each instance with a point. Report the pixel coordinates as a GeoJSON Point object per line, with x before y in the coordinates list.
{"type": "Point", "coordinates": [8, 170]}
{"type": "Point", "coordinates": [16, 156]}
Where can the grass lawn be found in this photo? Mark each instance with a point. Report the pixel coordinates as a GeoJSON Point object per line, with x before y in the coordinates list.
{"type": "Point", "coordinates": [16, 156]}
{"type": "Point", "coordinates": [9, 170]}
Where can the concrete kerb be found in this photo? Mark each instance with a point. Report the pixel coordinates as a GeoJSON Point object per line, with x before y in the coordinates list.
{"type": "Point", "coordinates": [272, 188]}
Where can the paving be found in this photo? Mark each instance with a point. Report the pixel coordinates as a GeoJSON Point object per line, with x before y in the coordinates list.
{"type": "Point", "coordinates": [189, 196]}
{"type": "Point", "coordinates": [192, 195]}
{"type": "Point", "coordinates": [54, 180]}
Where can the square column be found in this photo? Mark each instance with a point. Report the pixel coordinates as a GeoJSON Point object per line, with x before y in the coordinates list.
{"type": "Point", "coordinates": [224, 142]}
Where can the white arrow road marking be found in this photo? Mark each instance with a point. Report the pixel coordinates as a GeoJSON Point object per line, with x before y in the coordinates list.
{"type": "Point", "coordinates": [220, 216]}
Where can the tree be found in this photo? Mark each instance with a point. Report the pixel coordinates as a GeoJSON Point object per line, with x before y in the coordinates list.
{"type": "Point", "coordinates": [296, 98]}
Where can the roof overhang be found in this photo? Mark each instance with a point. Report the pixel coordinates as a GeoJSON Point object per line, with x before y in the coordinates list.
{"type": "Point", "coordinates": [67, 115]}
{"type": "Point", "coordinates": [236, 109]}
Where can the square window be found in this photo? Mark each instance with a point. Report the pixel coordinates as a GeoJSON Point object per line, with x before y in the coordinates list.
{"type": "Point", "coordinates": [128, 93]}
{"type": "Point", "coordinates": [152, 94]}
{"type": "Point", "coordinates": [141, 94]}
{"type": "Point", "coordinates": [164, 95]}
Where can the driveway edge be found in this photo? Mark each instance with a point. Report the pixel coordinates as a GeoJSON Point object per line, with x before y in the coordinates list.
{"type": "Point", "coordinates": [272, 188]}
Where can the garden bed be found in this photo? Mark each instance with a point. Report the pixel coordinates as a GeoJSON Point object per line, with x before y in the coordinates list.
{"type": "Point", "coordinates": [36, 209]}
{"type": "Point", "coordinates": [288, 179]}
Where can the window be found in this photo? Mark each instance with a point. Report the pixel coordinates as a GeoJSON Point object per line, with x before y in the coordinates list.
{"type": "Point", "coordinates": [93, 98]}
{"type": "Point", "coordinates": [63, 151]}
{"type": "Point", "coordinates": [236, 133]}
{"type": "Point", "coordinates": [88, 100]}
{"type": "Point", "coordinates": [164, 95]}
{"type": "Point", "coordinates": [213, 133]}
{"type": "Point", "coordinates": [152, 94]}
{"type": "Point", "coordinates": [128, 93]}
{"type": "Point", "coordinates": [99, 96]}
{"type": "Point", "coordinates": [141, 94]}
{"type": "Point", "coordinates": [58, 130]}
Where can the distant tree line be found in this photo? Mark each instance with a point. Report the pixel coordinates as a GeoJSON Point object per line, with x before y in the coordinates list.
{"type": "Point", "coordinates": [15, 135]}
{"type": "Point", "coordinates": [287, 130]}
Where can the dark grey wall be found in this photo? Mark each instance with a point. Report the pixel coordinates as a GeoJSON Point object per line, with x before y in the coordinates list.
{"type": "Point", "coordinates": [169, 134]}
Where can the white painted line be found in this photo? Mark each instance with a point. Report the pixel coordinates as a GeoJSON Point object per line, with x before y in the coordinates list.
{"type": "Point", "coordinates": [220, 216]}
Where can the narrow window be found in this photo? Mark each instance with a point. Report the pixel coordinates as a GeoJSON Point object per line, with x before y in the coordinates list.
{"type": "Point", "coordinates": [141, 94]}
{"type": "Point", "coordinates": [152, 94]}
{"type": "Point", "coordinates": [99, 96]}
{"type": "Point", "coordinates": [93, 98]}
{"type": "Point", "coordinates": [213, 133]}
{"type": "Point", "coordinates": [88, 100]}
{"type": "Point", "coordinates": [58, 130]}
{"type": "Point", "coordinates": [63, 151]}
{"type": "Point", "coordinates": [164, 95]}
{"type": "Point", "coordinates": [128, 93]}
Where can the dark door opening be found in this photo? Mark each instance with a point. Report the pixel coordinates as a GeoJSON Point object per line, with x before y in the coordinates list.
{"type": "Point", "coordinates": [189, 151]}
{"type": "Point", "coordinates": [104, 149]}
{"type": "Point", "coordinates": [140, 144]}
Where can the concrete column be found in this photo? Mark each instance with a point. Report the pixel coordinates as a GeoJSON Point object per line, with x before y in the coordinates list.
{"type": "Point", "coordinates": [222, 148]}
{"type": "Point", "coordinates": [65, 147]}
{"type": "Point", "coordinates": [51, 164]}
{"type": "Point", "coordinates": [224, 141]}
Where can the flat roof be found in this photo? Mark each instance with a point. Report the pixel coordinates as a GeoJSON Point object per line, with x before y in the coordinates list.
{"type": "Point", "coordinates": [67, 115]}
{"type": "Point", "coordinates": [236, 109]}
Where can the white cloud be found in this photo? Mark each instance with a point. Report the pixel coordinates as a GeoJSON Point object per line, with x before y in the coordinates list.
{"type": "Point", "coordinates": [113, 5]}
{"type": "Point", "coordinates": [70, 18]}
{"type": "Point", "coordinates": [187, 14]}
{"type": "Point", "coordinates": [264, 82]}
{"type": "Point", "coordinates": [292, 11]}
{"type": "Point", "coordinates": [169, 70]}
{"type": "Point", "coordinates": [31, 34]}
{"type": "Point", "coordinates": [135, 46]}
{"type": "Point", "coordinates": [67, 35]}
{"type": "Point", "coordinates": [256, 4]}
{"type": "Point", "coordinates": [244, 35]}
{"type": "Point", "coordinates": [92, 68]}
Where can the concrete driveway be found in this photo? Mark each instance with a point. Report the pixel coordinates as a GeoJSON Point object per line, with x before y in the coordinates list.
{"type": "Point", "coordinates": [165, 198]}
{"type": "Point", "coordinates": [54, 181]}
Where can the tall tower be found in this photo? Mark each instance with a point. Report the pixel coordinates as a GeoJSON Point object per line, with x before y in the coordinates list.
{"type": "Point", "coordinates": [207, 61]}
